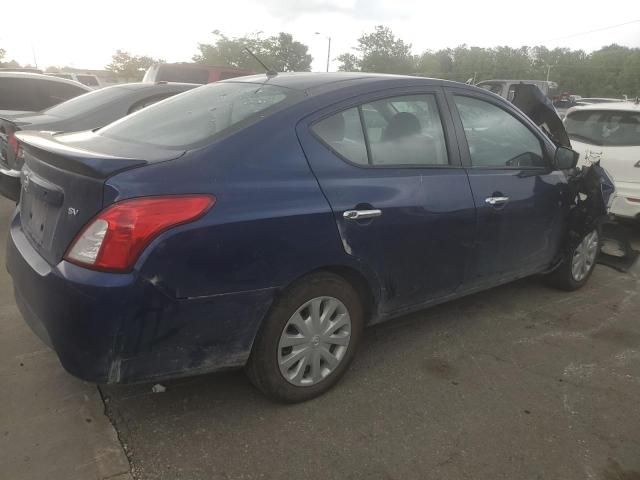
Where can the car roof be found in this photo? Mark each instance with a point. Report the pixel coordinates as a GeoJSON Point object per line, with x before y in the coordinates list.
{"type": "Point", "coordinates": [160, 86]}
{"type": "Point", "coordinates": [619, 106]}
{"type": "Point", "coordinates": [40, 76]}
{"type": "Point", "coordinates": [312, 83]}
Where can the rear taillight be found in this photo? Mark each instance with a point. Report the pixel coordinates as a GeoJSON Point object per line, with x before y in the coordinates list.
{"type": "Point", "coordinates": [115, 238]}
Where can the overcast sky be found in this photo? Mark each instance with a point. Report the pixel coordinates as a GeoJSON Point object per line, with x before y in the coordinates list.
{"type": "Point", "coordinates": [85, 34]}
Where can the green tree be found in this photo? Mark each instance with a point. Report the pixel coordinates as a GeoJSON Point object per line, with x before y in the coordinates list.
{"type": "Point", "coordinates": [3, 52]}
{"type": "Point", "coordinates": [279, 52]}
{"type": "Point", "coordinates": [612, 70]}
{"type": "Point", "coordinates": [130, 68]}
{"type": "Point", "coordinates": [380, 51]}
{"type": "Point", "coordinates": [348, 63]}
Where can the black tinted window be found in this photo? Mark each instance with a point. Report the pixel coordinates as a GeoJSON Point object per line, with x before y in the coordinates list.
{"type": "Point", "coordinates": [174, 73]}
{"type": "Point", "coordinates": [496, 138]}
{"type": "Point", "coordinates": [18, 94]}
{"type": "Point", "coordinates": [343, 133]}
{"type": "Point", "coordinates": [197, 116]}
{"type": "Point", "coordinates": [53, 93]}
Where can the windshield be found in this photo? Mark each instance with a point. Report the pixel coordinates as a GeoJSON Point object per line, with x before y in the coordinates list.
{"type": "Point", "coordinates": [195, 117]}
{"type": "Point", "coordinates": [605, 128]}
{"type": "Point", "coordinates": [87, 102]}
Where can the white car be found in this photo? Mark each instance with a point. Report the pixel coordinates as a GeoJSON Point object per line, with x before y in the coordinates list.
{"type": "Point", "coordinates": [610, 132]}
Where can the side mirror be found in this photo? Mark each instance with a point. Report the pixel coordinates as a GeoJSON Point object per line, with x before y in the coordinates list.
{"type": "Point", "coordinates": [565, 159]}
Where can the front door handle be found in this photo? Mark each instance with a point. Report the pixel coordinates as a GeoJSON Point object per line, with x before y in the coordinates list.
{"type": "Point", "coordinates": [361, 214]}
{"type": "Point", "coordinates": [496, 201]}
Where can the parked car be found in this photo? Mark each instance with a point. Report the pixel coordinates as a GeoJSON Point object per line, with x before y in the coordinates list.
{"type": "Point", "coordinates": [88, 79]}
{"type": "Point", "coordinates": [86, 112]}
{"type": "Point", "coordinates": [33, 92]}
{"type": "Point", "coordinates": [191, 73]}
{"type": "Point", "coordinates": [506, 88]}
{"type": "Point", "coordinates": [610, 133]}
{"type": "Point", "coordinates": [264, 221]}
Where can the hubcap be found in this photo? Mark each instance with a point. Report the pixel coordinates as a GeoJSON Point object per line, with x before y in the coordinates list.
{"type": "Point", "coordinates": [314, 341]}
{"type": "Point", "coordinates": [584, 256]}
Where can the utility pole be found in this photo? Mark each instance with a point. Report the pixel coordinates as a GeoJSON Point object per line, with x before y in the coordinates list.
{"type": "Point", "coordinates": [548, 71]}
{"type": "Point", "coordinates": [328, 48]}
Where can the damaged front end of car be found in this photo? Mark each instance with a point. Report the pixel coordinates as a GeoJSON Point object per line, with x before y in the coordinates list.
{"type": "Point", "coordinates": [590, 187]}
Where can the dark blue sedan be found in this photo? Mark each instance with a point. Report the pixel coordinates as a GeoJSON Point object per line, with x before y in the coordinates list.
{"type": "Point", "coordinates": [264, 221]}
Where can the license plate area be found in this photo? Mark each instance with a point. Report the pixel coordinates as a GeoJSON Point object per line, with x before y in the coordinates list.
{"type": "Point", "coordinates": [40, 205]}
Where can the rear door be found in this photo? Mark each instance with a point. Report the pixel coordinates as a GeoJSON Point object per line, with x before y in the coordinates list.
{"type": "Point", "coordinates": [390, 169]}
{"type": "Point", "coordinates": [519, 199]}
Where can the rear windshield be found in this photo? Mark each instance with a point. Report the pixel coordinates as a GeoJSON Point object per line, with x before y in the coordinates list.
{"type": "Point", "coordinates": [182, 74]}
{"type": "Point", "coordinates": [196, 117]}
{"type": "Point", "coordinates": [604, 127]}
{"type": "Point", "coordinates": [87, 102]}
{"type": "Point", "coordinates": [88, 80]}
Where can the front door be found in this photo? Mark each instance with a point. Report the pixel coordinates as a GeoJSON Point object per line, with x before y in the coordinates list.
{"type": "Point", "coordinates": [519, 198]}
{"type": "Point", "coordinates": [400, 197]}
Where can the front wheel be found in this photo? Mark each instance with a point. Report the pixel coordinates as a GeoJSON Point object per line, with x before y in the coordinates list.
{"type": "Point", "coordinates": [308, 339]}
{"type": "Point", "coordinates": [576, 269]}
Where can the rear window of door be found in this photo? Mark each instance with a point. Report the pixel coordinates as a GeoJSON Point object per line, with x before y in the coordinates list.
{"type": "Point", "coordinates": [52, 93]}
{"type": "Point", "coordinates": [496, 138]}
{"type": "Point", "coordinates": [18, 94]}
{"type": "Point", "coordinates": [396, 131]}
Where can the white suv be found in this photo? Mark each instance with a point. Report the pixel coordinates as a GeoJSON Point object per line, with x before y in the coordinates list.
{"type": "Point", "coordinates": [610, 132]}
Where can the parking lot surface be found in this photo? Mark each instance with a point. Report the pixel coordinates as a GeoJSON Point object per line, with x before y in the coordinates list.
{"type": "Point", "coordinates": [520, 382]}
{"type": "Point", "coordinates": [52, 426]}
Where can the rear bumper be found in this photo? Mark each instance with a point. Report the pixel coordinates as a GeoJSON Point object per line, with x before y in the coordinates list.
{"type": "Point", "coordinates": [626, 200]}
{"type": "Point", "coordinates": [118, 328]}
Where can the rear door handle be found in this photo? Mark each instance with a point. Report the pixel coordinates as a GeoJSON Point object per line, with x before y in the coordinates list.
{"type": "Point", "coordinates": [496, 201]}
{"type": "Point", "coordinates": [361, 214]}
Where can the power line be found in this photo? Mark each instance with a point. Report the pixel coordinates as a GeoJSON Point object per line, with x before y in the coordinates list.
{"type": "Point", "coordinates": [595, 30]}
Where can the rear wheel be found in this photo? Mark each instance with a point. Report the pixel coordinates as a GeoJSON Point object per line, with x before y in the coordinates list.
{"type": "Point", "coordinates": [576, 269]}
{"type": "Point", "coordinates": [308, 339]}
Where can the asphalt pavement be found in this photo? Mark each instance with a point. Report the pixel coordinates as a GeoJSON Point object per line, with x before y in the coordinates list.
{"type": "Point", "coordinates": [519, 382]}
{"type": "Point", "coordinates": [52, 426]}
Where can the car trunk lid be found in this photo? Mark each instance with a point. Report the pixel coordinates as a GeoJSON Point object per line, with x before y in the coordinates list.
{"type": "Point", "coordinates": [63, 182]}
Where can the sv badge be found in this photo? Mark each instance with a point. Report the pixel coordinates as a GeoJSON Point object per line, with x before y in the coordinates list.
{"type": "Point", "coordinates": [73, 211]}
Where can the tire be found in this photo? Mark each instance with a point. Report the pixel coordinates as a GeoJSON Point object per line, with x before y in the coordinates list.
{"type": "Point", "coordinates": [564, 277]}
{"type": "Point", "coordinates": [270, 360]}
